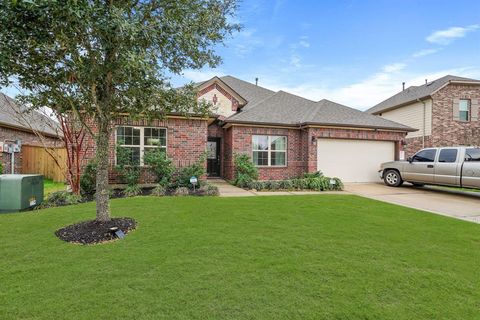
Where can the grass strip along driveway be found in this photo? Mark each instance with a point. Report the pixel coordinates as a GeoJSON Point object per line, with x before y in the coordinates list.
{"type": "Point", "coordinates": [304, 257]}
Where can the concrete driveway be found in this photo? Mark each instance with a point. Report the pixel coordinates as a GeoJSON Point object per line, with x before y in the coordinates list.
{"type": "Point", "coordinates": [448, 203]}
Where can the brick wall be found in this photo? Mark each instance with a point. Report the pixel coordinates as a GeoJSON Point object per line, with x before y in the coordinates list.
{"type": "Point", "coordinates": [186, 143]}
{"type": "Point", "coordinates": [241, 143]}
{"type": "Point", "coordinates": [27, 138]}
{"type": "Point", "coordinates": [415, 144]}
{"type": "Point", "coordinates": [447, 131]}
{"type": "Point", "coordinates": [301, 149]}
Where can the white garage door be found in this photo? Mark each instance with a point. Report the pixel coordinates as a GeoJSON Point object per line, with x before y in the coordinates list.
{"type": "Point", "coordinates": [353, 160]}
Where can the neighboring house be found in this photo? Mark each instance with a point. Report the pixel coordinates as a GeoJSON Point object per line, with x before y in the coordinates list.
{"type": "Point", "coordinates": [285, 135]}
{"type": "Point", "coordinates": [17, 123]}
{"type": "Point", "coordinates": [445, 112]}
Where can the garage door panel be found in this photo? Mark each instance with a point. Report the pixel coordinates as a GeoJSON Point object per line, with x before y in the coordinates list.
{"type": "Point", "coordinates": [353, 160]}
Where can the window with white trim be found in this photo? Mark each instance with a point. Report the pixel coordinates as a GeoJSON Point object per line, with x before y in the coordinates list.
{"type": "Point", "coordinates": [140, 140]}
{"type": "Point", "coordinates": [269, 151]}
{"type": "Point", "coordinates": [464, 110]}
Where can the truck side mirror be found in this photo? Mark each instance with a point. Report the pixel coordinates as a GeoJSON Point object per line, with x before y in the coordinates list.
{"type": "Point", "coordinates": [410, 159]}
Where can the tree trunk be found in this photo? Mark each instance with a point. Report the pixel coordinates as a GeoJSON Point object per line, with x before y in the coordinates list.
{"type": "Point", "coordinates": [102, 191]}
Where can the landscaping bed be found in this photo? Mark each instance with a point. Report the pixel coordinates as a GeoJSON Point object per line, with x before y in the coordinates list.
{"type": "Point", "coordinates": [93, 231]}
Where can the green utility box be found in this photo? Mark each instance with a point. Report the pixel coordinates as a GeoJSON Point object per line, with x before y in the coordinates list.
{"type": "Point", "coordinates": [20, 191]}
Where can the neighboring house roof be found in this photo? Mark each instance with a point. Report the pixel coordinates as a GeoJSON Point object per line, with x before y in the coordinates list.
{"type": "Point", "coordinates": [283, 108]}
{"type": "Point", "coordinates": [17, 116]}
{"type": "Point", "coordinates": [415, 93]}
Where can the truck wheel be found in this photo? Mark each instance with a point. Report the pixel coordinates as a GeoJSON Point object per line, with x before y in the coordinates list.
{"type": "Point", "coordinates": [392, 178]}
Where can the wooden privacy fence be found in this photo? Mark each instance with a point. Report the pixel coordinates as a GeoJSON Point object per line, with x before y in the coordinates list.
{"type": "Point", "coordinates": [40, 161]}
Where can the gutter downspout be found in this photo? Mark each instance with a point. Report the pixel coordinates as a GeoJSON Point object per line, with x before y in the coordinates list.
{"type": "Point", "coordinates": [424, 121]}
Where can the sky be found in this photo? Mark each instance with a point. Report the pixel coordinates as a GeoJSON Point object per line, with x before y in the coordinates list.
{"type": "Point", "coordinates": [356, 53]}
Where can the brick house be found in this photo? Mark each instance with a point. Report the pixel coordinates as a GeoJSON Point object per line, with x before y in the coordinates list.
{"type": "Point", "coordinates": [445, 112]}
{"type": "Point", "coordinates": [17, 123]}
{"type": "Point", "coordinates": [285, 135]}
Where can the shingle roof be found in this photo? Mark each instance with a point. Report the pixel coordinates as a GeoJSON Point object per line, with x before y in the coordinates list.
{"type": "Point", "coordinates": [15, 115]}
{"type": "Point", "coordinates": [284, 108]}
{"type": "Point", "coordinates": [249, 91]}
{"type": "Point", "coordinates": [332, 113]}
{"type": "Point", "coordinates": [415, 92]}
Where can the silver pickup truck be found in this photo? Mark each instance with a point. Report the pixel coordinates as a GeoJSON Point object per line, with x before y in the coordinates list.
{"type": "Point", "coordinates": [448, 166]}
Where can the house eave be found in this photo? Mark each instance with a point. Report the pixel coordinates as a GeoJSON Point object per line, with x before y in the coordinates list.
{"type": "Point", "coordinates": [303, 125]}
{"type": "Point", "coordinates": [355, 127]}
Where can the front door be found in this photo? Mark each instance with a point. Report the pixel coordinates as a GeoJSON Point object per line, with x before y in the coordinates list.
{"type": "Point", "coordinates": [213, 157]}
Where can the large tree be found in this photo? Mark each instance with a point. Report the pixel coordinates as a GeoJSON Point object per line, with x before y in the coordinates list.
{"type": "Point", "coordinates": [103, 59]}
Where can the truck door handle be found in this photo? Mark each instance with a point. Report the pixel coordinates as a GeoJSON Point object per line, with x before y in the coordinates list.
{"type": "Point", "coordinates": [430, 166]}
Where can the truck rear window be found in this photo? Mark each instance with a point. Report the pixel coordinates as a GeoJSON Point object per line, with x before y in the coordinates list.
{"type": "Point", "coordinates": [473, 154]}
{"type": "Point", "coordinates": [448, 155]}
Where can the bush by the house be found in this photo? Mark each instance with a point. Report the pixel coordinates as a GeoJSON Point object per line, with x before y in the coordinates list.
{"type": "Point", "coordinates": [160, 164]}
{"type": "Point", "coordinates": [128, 171]}
{"type": "Point", "coordinates": [60, 198]}
{"type": "Point", "coordinates": [159, 191]}
{"type": "Point", "coordinates": [245, 170]}
{"type": "Point", "coordinates": [181, 191]}
{"type": "Point", "coordinates": [208, 190]}
{"type": "Point", "coordinates": [182, 178]}
{"type": "Point", "coordinates": [319, 183]}
{"type": "Point", "coordinates": [1, 168]}
{"type": "Point", "coordinates": [132, 191]}
{"type": "Point", "coordinates": [88, 179]}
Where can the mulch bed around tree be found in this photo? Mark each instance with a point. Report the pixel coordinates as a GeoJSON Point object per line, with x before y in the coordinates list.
{"type": "Point", "coordinates": [92, 231]}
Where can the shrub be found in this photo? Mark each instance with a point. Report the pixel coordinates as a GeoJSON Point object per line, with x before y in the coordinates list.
{"type": "Point", "coordinates": [318, 182]}
{"type": "Point", "coordinates": [286, 184]}
{"type": "Point", "coordinates": [88, 179]}
{"type": "Point", "coordinates": [160, 164]}
{"type": "Point", "coordinates": [242, 180]}
{"type": "Point", "coordinates": [208, 190]}
{"type": "Point", "coordinates": [128, 171]}
{"type": "Point", "coordinates": [60, 198]}
{"type": "Point", "coordinates": [316, 174]}
{"type": "Point", "coordinates": [259, 185]}
{"type": "Point", "coordinates": [184, 174]}
{"type": "Point", "coordinates": [181, 191]}
{"type": "Point", "coordinates": [159, 191]}
{"type": "Point", "coordinates": [1, 168]}
{"type": "Point", "coordinates": [338, 186]}
{"type": "Point", "coordinates": [132, 191]}
{"type": "Point", "coordinates": [245, 170]}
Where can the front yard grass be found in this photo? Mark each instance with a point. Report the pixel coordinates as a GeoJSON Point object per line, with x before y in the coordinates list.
{"type": "Point", "coordinates": [279, 257]}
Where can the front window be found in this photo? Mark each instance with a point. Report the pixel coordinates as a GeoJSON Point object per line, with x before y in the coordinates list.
{"type": "Point", "coordinates": [141, 140]}
{"type": "Point", "coordinates": [427, 155]}
{"type": "Point", "coordinates": [464, 110]}
{"type": "Point", "coordinates": [270, 151]}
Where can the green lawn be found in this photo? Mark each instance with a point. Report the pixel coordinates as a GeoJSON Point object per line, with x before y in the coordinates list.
{"type": "Point", "coordinates": [50, 186]}
{"type": "Point", "coordinates": [282, 257]}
